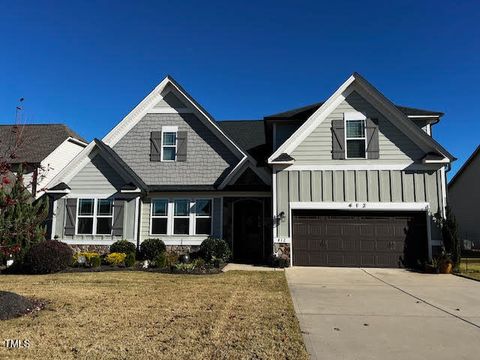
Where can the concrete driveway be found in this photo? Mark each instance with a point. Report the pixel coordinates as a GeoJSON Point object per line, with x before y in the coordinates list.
{"type": "Point", "coordinates": [386, 314]}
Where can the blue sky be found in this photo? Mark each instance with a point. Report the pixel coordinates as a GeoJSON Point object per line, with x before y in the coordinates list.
{"type": "Point", "coordinates": [87, 64]}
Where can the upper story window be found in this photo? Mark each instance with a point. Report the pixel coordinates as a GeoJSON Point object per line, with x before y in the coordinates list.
{"type": "Point", "coordinates": [355, 136]}
{"type": "Point", "coordinates": [169, 143]}
{"type": "Point", "coordinates": [94, 216]}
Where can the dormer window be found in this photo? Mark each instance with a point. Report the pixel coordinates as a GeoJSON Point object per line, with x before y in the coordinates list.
{"type": "Point", "coordinates": [355, 136]}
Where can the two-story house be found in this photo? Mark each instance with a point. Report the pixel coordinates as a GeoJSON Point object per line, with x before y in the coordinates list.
{"type": "Point", "coordinates": [352, 181]}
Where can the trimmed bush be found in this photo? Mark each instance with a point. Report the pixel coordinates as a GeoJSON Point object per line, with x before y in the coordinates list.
{"type": "Point", "coordinates": [87, 259]}
{"type": "Point", "coordinates": [130, 259]}
{"type": "Point", "coordinates": [48, 257]}
{"type": "Point", "coordinates": [214, 250]}
{"type": "Point", "coordinates": [123, 246]}
{"type": "Point", "coordinates": [150, 249]}
{"type": "Point", "coordinates": [116, 258]}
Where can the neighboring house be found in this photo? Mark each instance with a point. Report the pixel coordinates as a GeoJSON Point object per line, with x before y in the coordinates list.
{"type": "Point", "coordinates": [353, 181]}
{"type": "Point", "coordinates": [42, 150]}
{"type": "Point", "coordinates": [464, 197]}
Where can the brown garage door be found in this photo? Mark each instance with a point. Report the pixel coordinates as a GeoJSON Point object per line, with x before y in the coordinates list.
{"type": "Point", "coordinates": [366, 239]}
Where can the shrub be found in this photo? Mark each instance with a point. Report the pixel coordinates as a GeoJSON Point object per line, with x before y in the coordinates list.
{"type": "Point", "coordinates": [166, 260]}
{"type": "Point", "coordinates": [150, 249]}
{"type": "Point", "coordinates": [214, 250]}
{"type": "Point", "coordinates": [47, 257]}
{"type": "Point", "coordinates": [281, 261]}
{"type": "Point", "coordinates": [130, 259]}
{"type": "Point", "coordinates": [199, 262]}
{"type": "Point", "coordinates": [87, 259]}
{"type": "Point", "coordinates": [116, 258]}
{"type": "Point", "coordinates": [123, 246]}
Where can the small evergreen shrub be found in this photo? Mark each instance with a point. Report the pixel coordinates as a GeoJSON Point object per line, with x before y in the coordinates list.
{"type": "Point", "coordinates": [123, 246]}
{"type": "Point", "coordinates": [130, 259]}
{"type": "Point", "coordinates": [150, 249]}
{"type": "Point", "coordinates": [214, 250]}
{"type": "Point", "coordinates": [166, 260]}
{"type": "Point", "coordinates": [87, 259]}
{"type": "Point", "coordinates": [48, 257]}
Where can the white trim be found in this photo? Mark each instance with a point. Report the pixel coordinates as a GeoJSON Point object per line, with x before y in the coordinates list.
{"type": "Point", "coordinates": [76, 141]}
{"type": "Point", "coordinates": [380, 102]}
{"type": "Point", "coordinates": [66, 191]}
{"type": "Point", "coordinates": [444, 191]}
{"type": "Point", "coordinates": [361, 166]}
{"type": "Point", "coordinates": [354, 116]}
{"type": "Point", "coordinates": [54, 219]}
{"type": "Point", "coordinates": [135, 224]}
{"type": "Point", "coordinates": [94, 216]}
{"type": "Point", "coordinates": [274, 203]}
{"type": "Point", "coordinates": [169, 129]}
{"type": "Point", "coordinates": [423, 116]}
{"type": "Point", "coordinates": [135, 191]}
{"type": "Point", "coordinates": [443, 161]}
{"type": "Point", "coordinates": [361, 206]}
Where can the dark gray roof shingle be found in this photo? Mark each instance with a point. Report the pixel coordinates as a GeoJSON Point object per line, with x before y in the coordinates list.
{"type": "Point", "coordinates": [304, 112]}
{"type": "Point", "coordinates": [31, 143]}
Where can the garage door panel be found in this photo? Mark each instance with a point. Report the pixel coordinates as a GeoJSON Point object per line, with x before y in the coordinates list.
{"type": "Point", "coordinates": [369, 239]}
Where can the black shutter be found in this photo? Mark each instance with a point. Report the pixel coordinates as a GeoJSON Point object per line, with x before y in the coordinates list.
{"type": "Point", "coordinates": [373, 151]}
{"type": "Point", "coordinates": [71, 215]}
{"type": "Point", "coordinates": [155, 145]}
{"type": "Point", "coordinates": [182, 137]}
{"type": "Point", "coordinates": [118, 210]}
{"type": "Point", "coordinates": [338, 139]}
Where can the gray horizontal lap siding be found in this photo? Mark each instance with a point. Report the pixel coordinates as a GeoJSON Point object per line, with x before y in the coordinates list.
{"type": "Point", "coordinates": [208, 159]}
{"type": "Point", "coordinates": [394, 145]}
{"type": "Point", "coordinates": [356, 186]}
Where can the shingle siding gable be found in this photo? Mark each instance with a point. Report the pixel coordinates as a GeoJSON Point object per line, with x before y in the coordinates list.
{"type": "Point", "coordinates": [208, 159]}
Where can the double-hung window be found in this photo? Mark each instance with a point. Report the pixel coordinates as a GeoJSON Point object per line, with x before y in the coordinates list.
{"type": "Point", "coordinates": [169, 144]}
{"type": "Point", "coordinates": [95, 216]}
{"type": "Point", "coordinates": [159, 216]}
{"type": "Point", "coordinates": [355, 136]}
{"type": "Point", "coordinates": [181, 217]}
{"type": "Point", "coordinates": [203, 217]}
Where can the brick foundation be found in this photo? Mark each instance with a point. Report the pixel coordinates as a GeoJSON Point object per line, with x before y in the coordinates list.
{"type": "Point", "coordinates": [101, 249]}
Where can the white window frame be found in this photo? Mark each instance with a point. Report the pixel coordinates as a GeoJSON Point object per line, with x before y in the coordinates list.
{"type": "Point", "coordinates": [355, 116]}
{"type": "Point", "coordinates": [188, 216]}
{"type": "Point", "coordinates": [191, 216]}
{"type": "Point", "coordinates": [203, 216]}
{"type": "Point", "coordinates": [159, 216]}
{"type": "Point", "coordinates": [95, 215]}
{"type": "Point", "coordinates": [169, 129]}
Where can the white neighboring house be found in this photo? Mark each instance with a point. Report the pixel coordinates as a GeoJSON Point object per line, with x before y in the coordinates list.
{"type": "Point", "coordinates": [41, 149]}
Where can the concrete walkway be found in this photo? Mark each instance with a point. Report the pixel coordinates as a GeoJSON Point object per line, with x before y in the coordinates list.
{"type": "Point", "coordinates": [386, 314]}
{"type": "Point", "coordinates": [247, 267]}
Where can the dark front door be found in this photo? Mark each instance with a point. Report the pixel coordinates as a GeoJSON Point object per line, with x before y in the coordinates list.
{"type": "Point", "coordinates": [248, 241]}
{"type": "Point", "coordinates": [365, 239]}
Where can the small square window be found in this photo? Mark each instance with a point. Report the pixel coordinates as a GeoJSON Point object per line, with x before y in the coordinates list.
{"type": "Point", "coordinates": [85, 225]}
{"type": "Point", "coordinates": [356, 149]}
{"type": "Point", "coordinates": [159, 226]}
{"type": "Point", "coordinates": [182, 207]}
{"type": "Point", "coordinates": [104, 207]}
{"type": "Point", "coordinates": [169, 138]}
{"type": "Point", "coordinates": [160, 207]}
{"type": "Point", "coordinates": [355, 129]}
{"type": "Point", "coordinates": [104, 225]}
{"type": "Point", "coordinates": [169, 153]}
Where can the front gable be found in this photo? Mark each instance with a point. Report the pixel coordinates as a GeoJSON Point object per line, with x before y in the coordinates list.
{"type": "Point", "coordinates": [370, 100]}
{"type": "Point", "coordinates": [394, 145]}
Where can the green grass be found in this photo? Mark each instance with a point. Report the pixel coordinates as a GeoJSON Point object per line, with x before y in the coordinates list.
{"type": "Point", "coordinates": [120, 315]}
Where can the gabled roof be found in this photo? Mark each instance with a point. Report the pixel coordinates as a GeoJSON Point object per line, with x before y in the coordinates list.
{"type": "Point", "coordinates": [31, 143]}
{"type": "Point", "coordinates": [304, 112]}
{"type": "Point", "coordinates": [357, 83]}
{"type": "Point", "coordinates": [464, 167]}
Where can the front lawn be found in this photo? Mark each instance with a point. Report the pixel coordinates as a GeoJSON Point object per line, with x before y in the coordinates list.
{"type": "Point", "coordinates": [470, 267]}
{"type": "Point", "coordinates": [113, 315]}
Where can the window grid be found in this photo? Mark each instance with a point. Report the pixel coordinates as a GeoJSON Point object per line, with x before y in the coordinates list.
{"type": "Point", "coordinates": [355, 137]}
{"type": "Point", "coordinates": [169, 142]}
{"type": "Point", "coordinates": [94, 216]}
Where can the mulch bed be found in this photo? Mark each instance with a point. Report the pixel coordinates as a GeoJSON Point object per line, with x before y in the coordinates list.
{"type": "Point", "coordinates": [13, 305]}
{"type": "Point", "coordinates": [104, 268]}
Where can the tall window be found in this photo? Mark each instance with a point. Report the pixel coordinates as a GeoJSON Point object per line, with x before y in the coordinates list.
{"type": "Point", "coordinates": [169, 146]}
{"type": "Point", "coordinates": [355, 136]}
{"type": "Point", "coordinates": [95, 216]}
{"type": "Point", "coordinates": [203, 217]}
{"type": "Point", "coordinates": [181, 217]}
{"type": "Point", "coordinates": [159, 216]}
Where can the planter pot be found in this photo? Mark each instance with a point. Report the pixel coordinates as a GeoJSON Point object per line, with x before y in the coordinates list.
{"type": "Point", "coordinates": [446, 267]}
